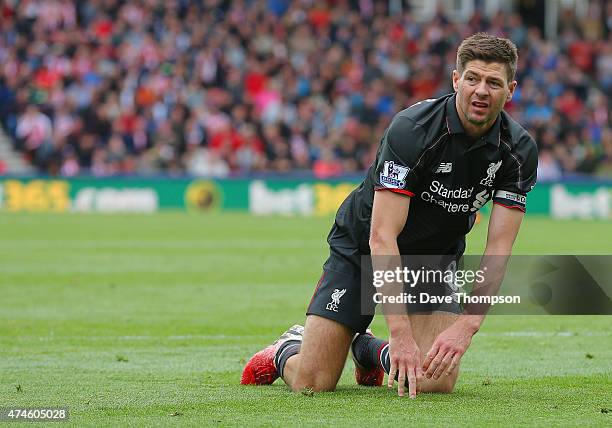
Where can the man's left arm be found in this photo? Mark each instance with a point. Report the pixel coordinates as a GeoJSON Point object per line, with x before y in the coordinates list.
{"type": "Point", "coordinates": [452, 343]}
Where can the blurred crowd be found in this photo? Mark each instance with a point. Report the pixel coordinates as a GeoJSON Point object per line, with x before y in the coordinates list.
{"type": "Point", "coordinates": [218, 88]}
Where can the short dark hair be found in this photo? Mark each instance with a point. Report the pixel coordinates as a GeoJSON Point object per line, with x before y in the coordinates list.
{"type": "Point", "coordinates": [488, 48]}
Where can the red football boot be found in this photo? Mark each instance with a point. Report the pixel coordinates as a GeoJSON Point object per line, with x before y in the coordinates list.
{"type": "Point", "coordinates": [373, 376]}
{"type": "Point", "coordinates": [260, 369]}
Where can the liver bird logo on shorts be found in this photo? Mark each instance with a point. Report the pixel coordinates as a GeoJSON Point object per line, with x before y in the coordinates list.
{"type": "Point", "coordinates": [336, 295]}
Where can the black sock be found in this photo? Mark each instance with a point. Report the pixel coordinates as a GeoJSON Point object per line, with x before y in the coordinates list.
{"type": "Point", "coordinates": [286, 350]}
{"type": "Point", "coordinates": [370, 351]}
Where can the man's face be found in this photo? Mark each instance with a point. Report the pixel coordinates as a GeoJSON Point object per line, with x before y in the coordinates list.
{"type": "Point", "coordinates": [482, 90]}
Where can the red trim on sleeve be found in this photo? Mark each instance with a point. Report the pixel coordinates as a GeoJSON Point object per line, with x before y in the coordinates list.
{"type": "Point", "coordinates": [516, 207]}
{"type": "Point", "coordinates": [403, 192]}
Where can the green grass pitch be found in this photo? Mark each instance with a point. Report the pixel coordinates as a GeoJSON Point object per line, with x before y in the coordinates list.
{"type": "Point", "coordinates": [148, 319]}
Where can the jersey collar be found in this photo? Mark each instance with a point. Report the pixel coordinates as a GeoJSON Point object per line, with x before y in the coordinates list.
{"type": "Point", "coordinates": [454, 126]}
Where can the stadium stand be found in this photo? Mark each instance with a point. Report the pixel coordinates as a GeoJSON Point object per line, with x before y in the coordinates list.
{"type": "Point", "coordinates": [218, 88]}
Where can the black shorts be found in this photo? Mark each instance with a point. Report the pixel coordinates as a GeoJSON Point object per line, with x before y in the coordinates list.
{"type": "Point", "coordinates": [338, 295]}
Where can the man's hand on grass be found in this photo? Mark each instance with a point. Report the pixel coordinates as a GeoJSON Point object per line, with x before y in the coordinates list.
{"type": "Point", "coordinates": [447, 350]}
{"type": "Point", "coordinates": [405, 359]}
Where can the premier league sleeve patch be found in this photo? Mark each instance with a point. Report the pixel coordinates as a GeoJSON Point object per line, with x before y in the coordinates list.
{"type": "Point", "coordinates": [393, 176]}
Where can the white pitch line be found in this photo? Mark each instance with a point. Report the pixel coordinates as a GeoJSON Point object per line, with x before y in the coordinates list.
{"type": "Point", "coordinates": [248, 337]}
{"type": "Point", "coordinates": [545, 333]}
{"type": "Point", "coordinates": [146, 244]}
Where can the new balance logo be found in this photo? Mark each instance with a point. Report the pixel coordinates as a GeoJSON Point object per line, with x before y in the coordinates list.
{"type": "Point", "coordinates": [444, 168]}
{"type": "Point", "coordinates": [336, 295]}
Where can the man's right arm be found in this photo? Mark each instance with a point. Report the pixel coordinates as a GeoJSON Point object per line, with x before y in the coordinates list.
{"type": "Point", "coordinates": [389, 214]}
